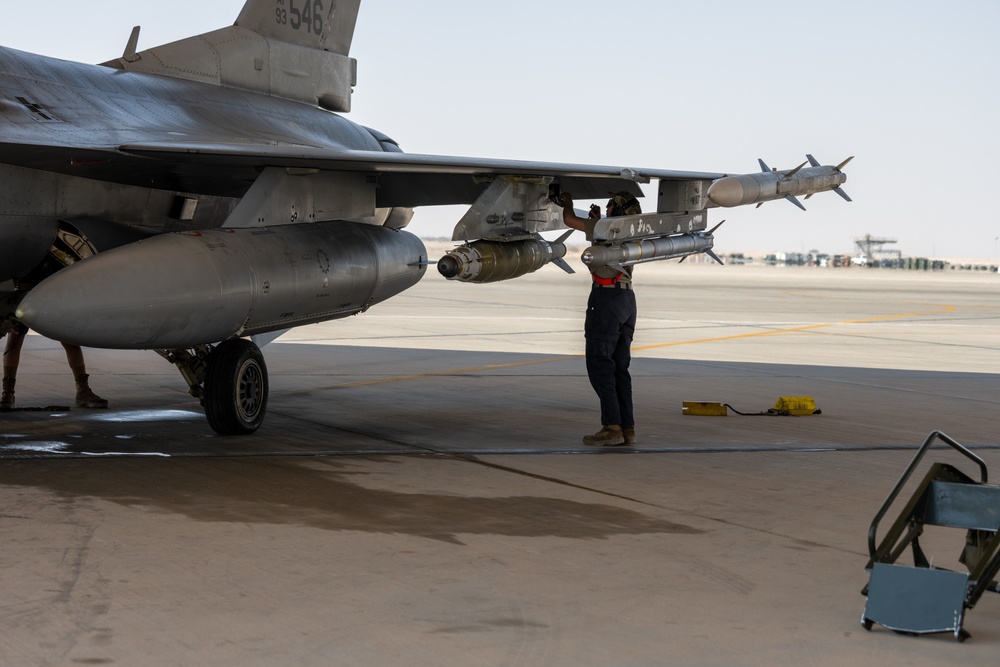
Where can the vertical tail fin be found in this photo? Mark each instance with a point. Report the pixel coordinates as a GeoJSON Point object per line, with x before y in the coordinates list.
{"type": "Point", "coordinates": [327, 25]}
{"type": "Point", "coordinates": [294, 49]}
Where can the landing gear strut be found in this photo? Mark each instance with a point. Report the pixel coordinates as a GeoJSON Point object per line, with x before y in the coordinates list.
{"type": "Point", "coordinates": [235, 388]}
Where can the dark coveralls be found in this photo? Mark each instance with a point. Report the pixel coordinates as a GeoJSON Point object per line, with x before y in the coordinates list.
{"type": "Point", "coordinates": [609, 329]}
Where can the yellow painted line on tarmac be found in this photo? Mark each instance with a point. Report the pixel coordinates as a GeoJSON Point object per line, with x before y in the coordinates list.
{"type": "Point", "coordinates": [548, 360]}
{"type": "Point", "coordinates": [787, 330]}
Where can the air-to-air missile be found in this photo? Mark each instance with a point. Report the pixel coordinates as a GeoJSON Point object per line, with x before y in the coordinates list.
{"type": "Point", "coordinates": [770, 184]}
{"type": "Point", "coordinates": [179, 290]}
{"type": "Point", "coordinates": [649, 237]}
{"type": "Point", "coordinates": [491, 261]}
{"type": "Point", "coordinates": [655, 249]}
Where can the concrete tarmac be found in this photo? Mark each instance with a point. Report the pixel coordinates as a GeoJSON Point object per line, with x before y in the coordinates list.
{"type": "Point", "coordinates": [419, 494]}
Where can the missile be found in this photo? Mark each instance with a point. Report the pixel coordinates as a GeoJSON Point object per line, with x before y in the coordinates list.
{"type": "Point", "coordinates": [491, 261]}
{"type": "Point", "coordinates": [769, 184]}
{"type": "Point", "coordinates": [651, 250]}
{"type": "Point", "coordinates": [175, 291]}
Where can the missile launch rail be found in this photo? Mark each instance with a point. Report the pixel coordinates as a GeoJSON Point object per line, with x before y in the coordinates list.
{"type": "Point", "coordinates": [649, 225]}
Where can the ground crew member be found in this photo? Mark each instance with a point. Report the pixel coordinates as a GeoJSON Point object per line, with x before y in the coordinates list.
{"type": "Point", "coordinates": [15, 331]}
{"type": "Point", "coordinates": [609, 329]}
{"type": "Point", "coordinates": [85, 397]}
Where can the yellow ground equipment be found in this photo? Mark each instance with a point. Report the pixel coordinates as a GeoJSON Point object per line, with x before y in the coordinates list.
{"type": "Point", "coordinates": [796, 405]}
{"type": "Point", "coordinates": [703, 409]}
{"type": "Point", "coordinates": [786, 405]}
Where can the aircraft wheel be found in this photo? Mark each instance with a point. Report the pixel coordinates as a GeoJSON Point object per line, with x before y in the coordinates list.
{"type": "Point", "coordinates": [235, 395]}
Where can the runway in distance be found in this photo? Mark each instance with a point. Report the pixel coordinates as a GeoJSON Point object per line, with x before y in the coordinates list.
{"type": "Point", "coordinates": [202, 197]}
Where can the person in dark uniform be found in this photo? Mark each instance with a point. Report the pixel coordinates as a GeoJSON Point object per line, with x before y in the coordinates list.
{"type": "Point", "coordinates": [609, 329]}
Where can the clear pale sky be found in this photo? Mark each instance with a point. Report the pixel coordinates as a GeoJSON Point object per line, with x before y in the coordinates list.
{"type": "Point", "coordinates": [911, 88]}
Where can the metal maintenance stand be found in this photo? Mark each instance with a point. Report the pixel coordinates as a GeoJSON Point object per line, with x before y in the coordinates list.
{"type": "Point", "coordinates": [923, 599]}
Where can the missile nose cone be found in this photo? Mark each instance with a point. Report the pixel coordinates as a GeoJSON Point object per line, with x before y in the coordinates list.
{"type": "Point", "coordinates": [726, 192]}
{"type": "Point", "coordinates": [449, 267]}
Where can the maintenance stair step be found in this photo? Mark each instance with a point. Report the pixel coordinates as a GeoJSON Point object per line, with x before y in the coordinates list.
{"type": "Point", "coordinates": [972, 506]}
{"type": "Point", "coordinates": [916, 600]}
{"type": "Point", "coordinates": [923, 599]}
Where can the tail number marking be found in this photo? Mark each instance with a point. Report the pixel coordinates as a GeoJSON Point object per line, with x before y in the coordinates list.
{"type": "Point", "coordinates": [310, 16]}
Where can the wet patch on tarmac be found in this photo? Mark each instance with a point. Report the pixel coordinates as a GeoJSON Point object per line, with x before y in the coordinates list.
{"type": "Point", "coordinates": [323, 495]}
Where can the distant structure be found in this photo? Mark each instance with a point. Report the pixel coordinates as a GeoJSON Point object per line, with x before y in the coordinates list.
{"type": "Point", "coordinates": [872, 249]}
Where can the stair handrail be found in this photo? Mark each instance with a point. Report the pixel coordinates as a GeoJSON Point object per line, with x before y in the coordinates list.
{"type": "Point", "coordinates": [909, 471]}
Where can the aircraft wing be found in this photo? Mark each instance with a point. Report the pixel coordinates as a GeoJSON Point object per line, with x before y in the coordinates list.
{"type": "Point", "coordinates": [408, 179]}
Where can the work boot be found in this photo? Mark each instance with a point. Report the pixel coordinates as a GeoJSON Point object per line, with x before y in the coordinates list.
{"type": "Point", "coordinates": [608, 436]}
{"type": "Point", "coordinates": [85, 398]}
{"type": "Point", "coordinates": [7, 398]}
{"type": "Point", "coordinates": [629, 435]}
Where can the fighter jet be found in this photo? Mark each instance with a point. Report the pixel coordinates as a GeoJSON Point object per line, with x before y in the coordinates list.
{"type": "Point", "coordinates": [202, 197]}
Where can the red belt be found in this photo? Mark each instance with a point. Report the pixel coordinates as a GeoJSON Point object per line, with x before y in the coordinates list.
{"type": "Point", "coordinates": [607, 282]}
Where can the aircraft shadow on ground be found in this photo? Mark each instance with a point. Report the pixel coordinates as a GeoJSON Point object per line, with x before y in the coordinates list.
{"type": "Point", "coordinates": [328, 398]}
{"type": "Point", "coordinates": [332, 400]}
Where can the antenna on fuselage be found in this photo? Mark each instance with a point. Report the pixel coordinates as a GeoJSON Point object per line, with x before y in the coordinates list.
{"type": "Point", "coordinates": [130, 54]}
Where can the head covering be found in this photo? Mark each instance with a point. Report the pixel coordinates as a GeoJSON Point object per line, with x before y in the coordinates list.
{"type": "Point", "coordinates": [623, 203]}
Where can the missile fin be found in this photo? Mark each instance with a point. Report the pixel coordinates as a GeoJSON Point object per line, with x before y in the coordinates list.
{"type": "Point", "coordinates": [793, 171]}
{"type": "Point", "coordinates": [712, 230]}
{"type": "Point", "coordinates": [562, 239]}
{"type": "Point", "coordinates": [840, 191]}
{"type": "Point", "coordinates": [844, 163]}
{"type": "Point", "coordinates": [711, 253]}
{"type": "Point", "coordinates": [795, 201]}
{"type": "Point", "coordinates": [813, 161]}
{"type": "Point", "coordinates": [561, 263]}
{"type": "Point", "coordinates": [808, 196]}
{"type": "Point", "coordinates": [763, 166]}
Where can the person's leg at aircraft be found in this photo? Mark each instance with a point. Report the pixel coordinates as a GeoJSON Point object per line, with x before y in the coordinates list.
{"type": "Point", "coordinates": [85, 397]}
{"type": "Point", "coordinates": [11, 359]}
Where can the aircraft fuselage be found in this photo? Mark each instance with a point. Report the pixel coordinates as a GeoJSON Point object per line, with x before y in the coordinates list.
{"type": "Point", "coordinates": [52, 107]}
{"type": "Point", "coordinates": [63, 124]}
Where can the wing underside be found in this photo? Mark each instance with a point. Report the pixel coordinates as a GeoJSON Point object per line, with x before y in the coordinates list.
{"type": "Point", "coordinates": [406, 179]}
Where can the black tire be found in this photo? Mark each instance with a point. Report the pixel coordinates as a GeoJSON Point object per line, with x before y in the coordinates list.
{"type": "Point", "coordinates": [235, 388]}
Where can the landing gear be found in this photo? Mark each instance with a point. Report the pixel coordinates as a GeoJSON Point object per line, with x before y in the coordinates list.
{"type": "Point", "coordinates": [235, 383]}
{"type": "Point", "coordinates": [235, 388]}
